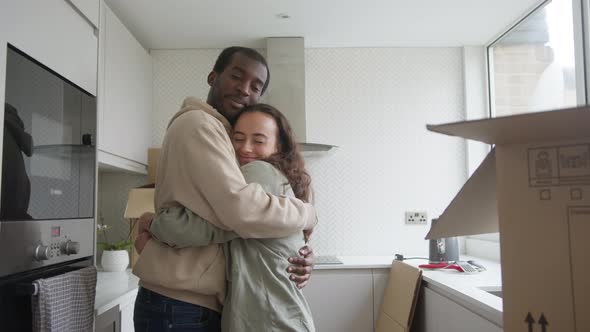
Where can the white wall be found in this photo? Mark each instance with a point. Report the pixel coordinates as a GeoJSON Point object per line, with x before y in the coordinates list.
{"type": "Point", "coordinates": [373, 103]}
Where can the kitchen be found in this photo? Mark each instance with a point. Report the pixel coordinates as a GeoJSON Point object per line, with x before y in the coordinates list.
{"type": "Point", "coordinates": [367, 93]}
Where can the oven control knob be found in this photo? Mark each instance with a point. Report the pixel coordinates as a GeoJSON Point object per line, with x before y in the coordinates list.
{"type": "Point", "coordinates": [70, 247]}
{"type": "Point", "coordinates": [43, 253]}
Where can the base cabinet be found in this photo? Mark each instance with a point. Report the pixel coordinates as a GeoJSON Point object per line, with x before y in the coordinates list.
{"type": "Point", "coordinates": [108, 321]}
{"type": "Point", "coordinates": [126, 313]}
{"type": "Point", "coordinates": [348, 300]}
{"type": "Point", "coordinates": [341, 300]}
{"type": "Point", "coordinates": [117, 319]}
{"type": "Point", "coordinates": [437, 313]}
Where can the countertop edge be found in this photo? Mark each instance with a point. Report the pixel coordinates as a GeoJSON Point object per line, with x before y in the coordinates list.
{"type": "Point", "coordinates": [114, 288]}
{"type": "Point", "coordinates": [122, 299]}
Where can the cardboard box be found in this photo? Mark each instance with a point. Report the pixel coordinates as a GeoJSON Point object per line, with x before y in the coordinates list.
{"type": "Point", "coordinates": [399, 300]}
{"type": "Point", "coordinates": [534, 188]}
{"type": "Point", "coordinates": [141, 200]}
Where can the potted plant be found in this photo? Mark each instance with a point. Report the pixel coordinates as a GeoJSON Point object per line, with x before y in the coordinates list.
{"type": "Point", "coordinates": [115, 255]}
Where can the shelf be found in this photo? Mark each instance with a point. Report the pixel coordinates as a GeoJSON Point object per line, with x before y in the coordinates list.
{"type": "Point", "coordinates": [108, 162]}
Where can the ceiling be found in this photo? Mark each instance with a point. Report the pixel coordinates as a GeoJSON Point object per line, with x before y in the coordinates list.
{"type": "Point", "coordinates": [324, 23]}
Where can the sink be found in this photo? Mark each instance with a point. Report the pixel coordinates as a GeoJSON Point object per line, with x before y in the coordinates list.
{"type": "Point", "coordinates": [494, 290]}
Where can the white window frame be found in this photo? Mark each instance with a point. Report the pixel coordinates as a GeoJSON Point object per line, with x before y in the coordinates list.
{"type": "Point", "coordinates": [487, 245]}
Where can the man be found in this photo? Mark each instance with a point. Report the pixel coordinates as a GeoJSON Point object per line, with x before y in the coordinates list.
{"type": "Point", "coordinates": [197, 169]}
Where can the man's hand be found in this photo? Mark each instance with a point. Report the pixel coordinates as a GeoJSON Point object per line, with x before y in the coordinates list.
{"type": "Point", "coordinates": [301, 267]}
{"type": "Point", "coordinates": [144, 222]}
{"type": "Point", "coordinates": [141, 240]}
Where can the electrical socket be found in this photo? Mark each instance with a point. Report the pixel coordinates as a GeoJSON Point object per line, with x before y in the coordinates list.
{"type": "Point", "coordinates": [416, 218]}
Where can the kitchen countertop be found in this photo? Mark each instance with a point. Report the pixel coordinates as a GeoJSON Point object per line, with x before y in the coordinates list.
{"type": "Point", "coordinates": [114, 288]}
{"type": "Point", "coordinates": [117, 288]}
{"type": "Point", "coordinates": [462, 288]}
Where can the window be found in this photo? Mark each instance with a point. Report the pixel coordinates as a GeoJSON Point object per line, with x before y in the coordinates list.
{"type": "Point", "coordinates": [532, 67]}
{"type": "Point", "coordinates": [537, 65]}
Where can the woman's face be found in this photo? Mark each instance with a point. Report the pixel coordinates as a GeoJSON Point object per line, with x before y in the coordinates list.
{"type": "Point", "coordinates": [255, 137]}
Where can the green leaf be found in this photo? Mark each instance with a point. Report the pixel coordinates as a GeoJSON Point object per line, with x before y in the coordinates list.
{"type": "Point", "coordinates": [121, 245]}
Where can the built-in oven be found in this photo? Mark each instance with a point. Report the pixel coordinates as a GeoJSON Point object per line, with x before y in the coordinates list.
{"type": "Point", "coordinates": [47, 197]}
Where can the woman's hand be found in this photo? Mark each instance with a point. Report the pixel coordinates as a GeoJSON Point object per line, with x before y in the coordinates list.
{"type": "Point", "coordinates": [301, 267]}
{"type": "Point", "coordinates": [143, 231]}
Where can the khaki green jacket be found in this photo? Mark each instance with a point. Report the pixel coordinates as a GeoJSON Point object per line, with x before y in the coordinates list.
{"type": "Point", "coordinates": [260, 295]}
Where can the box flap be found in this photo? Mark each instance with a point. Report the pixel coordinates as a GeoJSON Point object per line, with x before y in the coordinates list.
{"type": "Point", "coordinates": [399, 301]}
{"type": "Point", "coordinates": [474, 209]}
{"type": "Point", "coordinates": [523, 128]}
{"type": "Point", "coordinates": [140, 200]}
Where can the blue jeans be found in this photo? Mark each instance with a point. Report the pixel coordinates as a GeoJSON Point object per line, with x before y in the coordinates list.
{"type": "Point", "coordinates": [158, 313]}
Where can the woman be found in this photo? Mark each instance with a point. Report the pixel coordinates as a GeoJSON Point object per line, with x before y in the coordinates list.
{"type": "Point", "coordinates": [260, 297]}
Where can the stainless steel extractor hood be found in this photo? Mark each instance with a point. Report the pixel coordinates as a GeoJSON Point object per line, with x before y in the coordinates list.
{"type": "Point", "coordinates": [286, 62]}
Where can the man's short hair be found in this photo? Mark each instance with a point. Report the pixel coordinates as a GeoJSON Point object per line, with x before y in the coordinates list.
{"type": "Point", "coordinates": [227, 54]}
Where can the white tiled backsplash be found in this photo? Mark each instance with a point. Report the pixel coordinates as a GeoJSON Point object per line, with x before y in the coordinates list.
{"type": "Point", "coordinates": [373, 103]}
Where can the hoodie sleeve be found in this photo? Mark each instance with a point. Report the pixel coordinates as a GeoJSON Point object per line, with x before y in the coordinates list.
{"type": "Point", "coordinates": [180, 228]}
{"type": "Point", "coordinates": [208, 162]}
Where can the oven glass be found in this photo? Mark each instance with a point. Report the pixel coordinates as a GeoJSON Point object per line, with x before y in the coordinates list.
{"type": "Point", "coordinates": [48, 157]}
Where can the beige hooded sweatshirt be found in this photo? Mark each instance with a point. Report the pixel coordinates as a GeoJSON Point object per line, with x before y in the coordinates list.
{"type": "Point", "coordinates": [198, 170]}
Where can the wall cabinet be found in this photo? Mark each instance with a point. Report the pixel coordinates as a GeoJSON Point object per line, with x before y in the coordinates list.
{"type": "Point", "coordinates": [88, 8]}
{"type": "Point", "coordinates": [125, 96]}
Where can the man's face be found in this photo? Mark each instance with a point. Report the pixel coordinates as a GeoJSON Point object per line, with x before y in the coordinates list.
{"type": "Point", "coordinates": [239, 85]}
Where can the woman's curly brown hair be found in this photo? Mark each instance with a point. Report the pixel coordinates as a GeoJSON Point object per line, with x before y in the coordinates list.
{"type": "Point", "coordinates": [288, 159]}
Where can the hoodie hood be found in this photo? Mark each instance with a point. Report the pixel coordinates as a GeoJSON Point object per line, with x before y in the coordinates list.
{"type": "Point", "coordinates": [195, 104]}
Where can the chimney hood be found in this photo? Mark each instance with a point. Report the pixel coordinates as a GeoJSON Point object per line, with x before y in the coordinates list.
{"type": "Point", "coordinates": [286, 92]}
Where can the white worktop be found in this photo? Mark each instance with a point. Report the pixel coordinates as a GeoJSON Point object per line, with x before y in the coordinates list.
{"type": "Point", "coordinates": [114, 288]}
{"type": "Point", "coordinates": [358, 262]}
{"type": "Point", "coordinates": [461, 287]}
{"type": "Point", "coordinates": [117, 288]}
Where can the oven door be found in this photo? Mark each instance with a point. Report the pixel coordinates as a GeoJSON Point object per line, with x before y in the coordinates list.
{"type": "Point", "coordinates": [49, 155]}
{"type": "Point", "coordinates": [16, 291]}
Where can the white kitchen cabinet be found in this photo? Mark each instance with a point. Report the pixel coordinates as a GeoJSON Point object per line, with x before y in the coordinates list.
{"type": "Point", "coordinates": [126, 313]}
{"type": "Point", "coordinates": [437, 313]}
{"type": "Point", "coordinates": [115, 294]}
{"type": "Point", "coordinates": [88, 8]}
{"type": "Point", "coordinates": [125, 96]}
{"type": "Point", "coordinates": [380, 278]}
{"type": "Point", "coordinates": [54, 33]}
{"type": "Point", "coordinates": [117, 319]}
{"type": "Point", "coordinates": [341, 300]}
